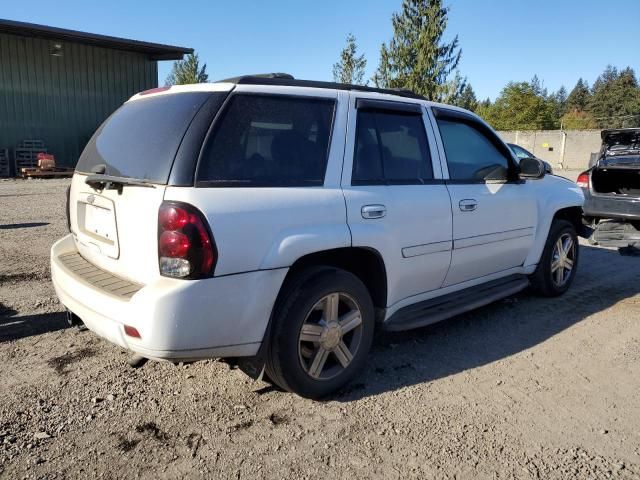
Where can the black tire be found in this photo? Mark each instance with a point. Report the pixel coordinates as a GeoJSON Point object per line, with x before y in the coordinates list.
{"type": "Point", "coordinates": [285, 354]}
{"type": "Point", "coordinates": [542, 280]}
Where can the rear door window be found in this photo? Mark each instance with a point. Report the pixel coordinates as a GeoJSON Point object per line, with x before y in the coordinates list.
{"type": "Point", "coordinates": [141, 138]}
{"type": "Point", "coordinates": [390, 148]}
{"type": "Point", "coordinates": [269, 140]}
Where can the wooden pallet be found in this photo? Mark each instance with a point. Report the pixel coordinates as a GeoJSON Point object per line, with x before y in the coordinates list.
{"type": "Point", "coordinates": [25, 155]}
{"type": "Point", "coordinates": [58, 172]}
{"type": "Point", "coordinates": [4, 163]}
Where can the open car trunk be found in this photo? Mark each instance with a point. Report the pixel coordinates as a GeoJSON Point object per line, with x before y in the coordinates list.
{"type": "Point", "coordinates": [618, 170]}
{"type": "Point", "coordinates": [617, 181]}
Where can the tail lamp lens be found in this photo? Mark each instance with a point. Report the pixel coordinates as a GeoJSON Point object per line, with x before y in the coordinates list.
{"type": "Point", "coordinates": [174, 244]}
{"type": "Point", "coordinates": [173, 218]}
{"type": "Point", "coordinates": [583, 180]}
{"type": "Point", "coordinates": [185, 246]}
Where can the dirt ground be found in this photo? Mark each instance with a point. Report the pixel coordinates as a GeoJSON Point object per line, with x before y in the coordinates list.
{"type": "Point", "coordinates": [524, 388]}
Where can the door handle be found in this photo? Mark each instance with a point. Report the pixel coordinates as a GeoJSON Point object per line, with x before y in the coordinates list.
{"type": "Point", "coordinates": [468, 205]}
{"type": "Point", "coordinates": [373, 211]}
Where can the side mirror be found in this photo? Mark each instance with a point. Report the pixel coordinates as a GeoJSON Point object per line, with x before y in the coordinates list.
{"type": "Point", "coordinates": [532, 168]}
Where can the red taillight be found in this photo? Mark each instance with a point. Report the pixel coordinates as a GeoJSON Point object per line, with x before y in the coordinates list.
{"type": "Point", "coordinates": [185, 246]}
{"type": "Point", "coordinates": [174, 244]}
{"type": "Point", "coordinates": [173, 218]}
{"type": "Point", "coordinates": [583, 180]}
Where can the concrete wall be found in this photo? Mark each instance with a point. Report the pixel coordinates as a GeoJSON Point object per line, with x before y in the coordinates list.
{"type": "Point", "coordinates": [569, 150]}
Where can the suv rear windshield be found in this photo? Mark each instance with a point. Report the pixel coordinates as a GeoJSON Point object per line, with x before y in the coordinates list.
{"type": "Point", "coordinates": [268, 141]}
{"type": "Point", "coordinates": [141, 138]}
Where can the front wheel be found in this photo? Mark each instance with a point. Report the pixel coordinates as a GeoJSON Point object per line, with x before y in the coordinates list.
{"type": "Point", "coordinates": [559, 261]}
{"type": "Point", "coordinates": [322, 333]}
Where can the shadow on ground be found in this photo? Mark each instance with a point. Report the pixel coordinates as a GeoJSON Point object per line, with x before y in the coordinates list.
{"type": "Point", "coordinates": [11, 226]}
{"type": "Point", "coordinates": [15, 327]}
{"type": "Point", "coordinates": [496, 331]}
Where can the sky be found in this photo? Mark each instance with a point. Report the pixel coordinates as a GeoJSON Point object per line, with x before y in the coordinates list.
{"type": "Point", "coordinates": [501, 40]}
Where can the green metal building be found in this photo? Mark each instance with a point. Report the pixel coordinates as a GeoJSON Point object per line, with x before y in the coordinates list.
{"type": "Point", "coordinates": [58, 85]}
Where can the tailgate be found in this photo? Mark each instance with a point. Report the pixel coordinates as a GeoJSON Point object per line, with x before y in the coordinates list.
{"type": "Point", "coordinates": [115, 225]}
{"type": "Point", "coordinates": [117, 231]}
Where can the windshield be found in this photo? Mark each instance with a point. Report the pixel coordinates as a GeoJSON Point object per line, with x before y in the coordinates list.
{"type": "Point", "coordinates": [520, 152]}
{"type": "Point", "coordinates": [141, 138]}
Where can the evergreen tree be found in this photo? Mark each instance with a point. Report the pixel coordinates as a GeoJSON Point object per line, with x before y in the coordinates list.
{"type": "Point", "coordinates": [467, 99]}
{"type": "Point", "coordinates": [350, 67]}
{"type": "Point", "coordinates": [451, 90]}
{"type": "Point", "coordinates": [417, 58]}
{"type": "Point", "coordinates": [537, 86]}
{"type": "Point", "coordinates": [615, 101]}
{"type": "Point", "coordinates": [187, 71]}
{"type": "Point", "coordinates": [579, 97]}
{"type": "Point", "coordinates": [558, 102]}
{"type": "Point", "coordinates": [520, 106]}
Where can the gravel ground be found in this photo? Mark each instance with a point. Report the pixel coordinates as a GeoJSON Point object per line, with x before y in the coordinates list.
{"type": "Point", "coordinates": [524, 388]}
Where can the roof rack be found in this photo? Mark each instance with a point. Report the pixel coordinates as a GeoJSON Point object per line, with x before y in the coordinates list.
{"type": "Point", "coordinates": [287, 80]}
{"type": "Point", "coordinates": [239, 79]}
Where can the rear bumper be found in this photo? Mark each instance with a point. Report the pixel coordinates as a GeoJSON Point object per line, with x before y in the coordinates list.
{"type": "Point", "coordinates": [603, 206]}
{"type": "Point", "coordinates": [177, 319]}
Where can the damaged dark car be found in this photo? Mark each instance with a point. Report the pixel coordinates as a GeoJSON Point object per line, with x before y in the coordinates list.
{"type": "Point", "coordinates": [612, 191]}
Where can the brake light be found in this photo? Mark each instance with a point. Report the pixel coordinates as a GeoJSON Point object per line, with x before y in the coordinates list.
{"type": "Point", "coordinates": [185, 245]}
{"type": "Point", "coordinates": [583, 180]}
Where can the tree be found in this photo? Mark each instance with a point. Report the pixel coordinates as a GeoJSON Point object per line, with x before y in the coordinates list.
{"type": "Point", "coordinates": [467, 99]}
{"type": "Point", "coordinates": [538, 86]}
{"type": "Point", "coordinates": [578, 120]}
{"type": "Point", "coordinates": [558, 102]}
{"type": "Point", "coordinates": [579, 97]}
{"type": "Point", "coordinates": [350, 67]}
{"type": "Point", "coordinates": [187, 71]}
{"type": "Point", "coordinates": [520, 106]}
{"type": "Point", "coordinates": [615, 99]}
{"type": "Point", "coordinates": [451, 90]}
{"type": "Point", "coordinates": [417, 58]}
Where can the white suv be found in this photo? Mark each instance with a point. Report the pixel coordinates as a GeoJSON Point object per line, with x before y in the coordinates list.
{"type": "Point", "coordinates": [278, 222]}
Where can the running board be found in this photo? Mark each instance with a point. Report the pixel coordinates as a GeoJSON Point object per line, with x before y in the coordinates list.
{"type": "Point", "coordinates": [452, 304]}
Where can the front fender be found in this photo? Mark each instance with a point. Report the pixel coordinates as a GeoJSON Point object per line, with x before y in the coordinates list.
{"type": "Point", "coordinates": [553, 194]}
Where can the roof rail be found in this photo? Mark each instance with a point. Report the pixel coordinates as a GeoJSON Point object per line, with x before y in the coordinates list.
{"type": "Point", "coordinates": [257, 75]}
{"type": "Point", "coordinates": [284, 79]}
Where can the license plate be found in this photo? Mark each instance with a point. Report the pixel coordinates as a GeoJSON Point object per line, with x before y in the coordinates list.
{"type": "Point", "coordinates": [100, 221]}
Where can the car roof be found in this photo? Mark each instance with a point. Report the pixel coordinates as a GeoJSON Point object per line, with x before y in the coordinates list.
{"type": "Point", "coordinates": [286, 80]}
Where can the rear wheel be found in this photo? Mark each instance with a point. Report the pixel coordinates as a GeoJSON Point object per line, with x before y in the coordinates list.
{"type": "Point", "coordinates": [322, 333]}
{"type": "Point", "coordinates": [559, 260]}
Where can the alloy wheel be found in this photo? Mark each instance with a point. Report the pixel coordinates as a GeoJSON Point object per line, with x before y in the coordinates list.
{"type": "Point", "coordinates": [562, 259]}
{"type": "Point", "coordinates": [330, 336]}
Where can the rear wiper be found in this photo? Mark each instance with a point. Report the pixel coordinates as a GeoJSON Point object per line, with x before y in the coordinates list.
{"type": "Point", "coordinates": [110, 182]}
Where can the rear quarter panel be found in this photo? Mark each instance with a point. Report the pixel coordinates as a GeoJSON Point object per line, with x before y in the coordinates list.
{"type": "Point", "coordinates": [272, 227]}
{"type": "Point", "coordinates": [266, 228]}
